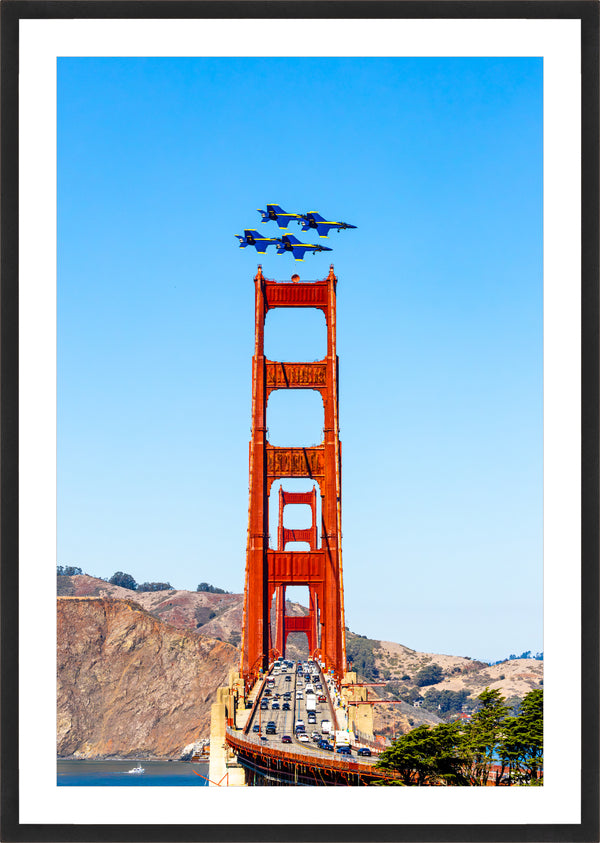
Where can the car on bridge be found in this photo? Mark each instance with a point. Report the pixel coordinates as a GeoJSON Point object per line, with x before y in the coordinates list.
{"type": "Point", "coordinates": [256, 728]}
{"type": "Point", "coordinates": [364, 750]}
{"type": "Point", "coordinates": [264, 704]}
{"type": "Point", "coordinates": [325, 745]}
{"type": "Point", "coordinates": [286, 739]}
{"type": "Point", "coordinates": [285, 706]}
{"type": "Point", "coordinates": [344, 749]}
{"type": "Point", "coordinates": [275, 705]}
{"type": "Point", "coordinates": [302, 736]}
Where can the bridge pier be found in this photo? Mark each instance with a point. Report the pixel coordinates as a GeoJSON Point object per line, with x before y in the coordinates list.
{"type": "Point", "coordinates": [360, 717]}
{"type": "Point", "coordinates": [223, 768]}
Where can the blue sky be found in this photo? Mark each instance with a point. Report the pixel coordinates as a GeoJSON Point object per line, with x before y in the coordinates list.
{"type": "Point", "coordinates": [439, 164]}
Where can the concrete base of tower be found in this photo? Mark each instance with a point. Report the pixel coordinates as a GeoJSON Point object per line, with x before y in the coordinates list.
{"type": "Point", "coordinates": [360, 717]}
{"type": "Point", "coordinates": [224, 769]}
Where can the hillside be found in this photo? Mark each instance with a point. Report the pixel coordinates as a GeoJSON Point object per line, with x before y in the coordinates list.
{"type": "Point", "coordinates": [162, 654]}
{"type": "Point", "coordinates": [129, 684]}
{"type": "Point", "coordinates": [398, 666]}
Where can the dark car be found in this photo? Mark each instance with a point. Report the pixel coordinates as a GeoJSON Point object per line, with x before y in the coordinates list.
{"type": "Point", "coordinates": [270, 730]}
{"type": "Point", "coordinates": [264, 704]}
{"type": "Point", "coordinates": [286, 739]}
{"type": "Point", "coordinates": [325, 745]}
{"type": "Point", "coordinates": [288, 678]}
{"type": "Point", "coordinates": [343, 750]}
{"type": "Point", "coordinates": [263, 738]}
{"type": "Point", "coordinates": [316, 737]}
{"type": "Point", "coordinates": [364, 751]}
{"type": "Point", "coordinates": [285, 706]}
{"type": "Point", "coordinates": [256, 728]}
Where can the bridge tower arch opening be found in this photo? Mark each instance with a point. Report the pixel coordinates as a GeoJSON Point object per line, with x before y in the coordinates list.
{"type": "Point", "coordinates": [270, 570]}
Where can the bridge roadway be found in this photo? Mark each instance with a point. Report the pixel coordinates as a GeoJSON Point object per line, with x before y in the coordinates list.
{"type": "Point", "coordinates": [301, 752]}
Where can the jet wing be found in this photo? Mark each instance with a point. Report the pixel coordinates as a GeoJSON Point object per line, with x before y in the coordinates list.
{"type": "Point", "coordinates": [299, 252]}
{"type": "Point", "coordinates": [281, 217]}
{"type": "Point", "coordinates": [323, 228]}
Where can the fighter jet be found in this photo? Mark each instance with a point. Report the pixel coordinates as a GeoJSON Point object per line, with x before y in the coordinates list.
{"type": "Point", "coordinates": [253, 238]}
{"type": "Point", "coordinates": [323, 226]}
{"type": "Point", "coordinates": [276, 213]}
{"type": "Point", "coordinates": [289, 243]}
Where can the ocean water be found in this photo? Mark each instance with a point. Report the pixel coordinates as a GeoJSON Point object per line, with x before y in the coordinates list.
{"type": "Point", "coordinates": [115, 774]}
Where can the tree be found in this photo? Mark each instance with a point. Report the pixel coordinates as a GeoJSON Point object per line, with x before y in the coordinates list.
{"type": "Point", "coordinates": [67, 571]}
{"type": "Point", "coordinates": [431, 674]}
{"type": "Point", "coordinates": [211, 589]}
{"type": "Point", "coordinates": [427, 756]}
{"type": "Point", "coordinates": [444, 701]}
{"type": "Point", "coordinates": [123, 580]}
{"type": "Point", "coordinates": [484, 732]}
{"type": "Point", "coordinates": [155, 586]}
{"type": "Point", "coordinates": [522, 745]}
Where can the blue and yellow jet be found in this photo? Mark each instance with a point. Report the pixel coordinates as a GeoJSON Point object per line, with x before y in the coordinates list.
{"type": "Point", "coordinates": [253, 238]}
{"type": "Point", "coordinates": [289, 243]}
{"type": "Point", "coordinates": [278, 215]}
{"type": "Point", "coordinates": [314, 220]}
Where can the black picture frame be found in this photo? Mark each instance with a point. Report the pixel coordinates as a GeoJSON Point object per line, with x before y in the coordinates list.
{"type": "Point", "coordinates": [12, 11]}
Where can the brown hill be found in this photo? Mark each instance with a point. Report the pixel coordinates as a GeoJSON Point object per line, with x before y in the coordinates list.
{"type": "Point", "coordinates": [130, 684]}
{"type": "Point", "coordinates": [194, 626]}
{"type": "Point", "coordinates": [213, 615]}
{"type": "Point", "coordinates": [512, 678]}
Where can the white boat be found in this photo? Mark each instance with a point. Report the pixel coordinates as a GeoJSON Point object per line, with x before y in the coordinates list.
{"type": "Point", "coordinates": [136, 770]}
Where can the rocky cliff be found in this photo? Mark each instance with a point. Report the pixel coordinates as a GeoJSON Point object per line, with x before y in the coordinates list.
{"type": "Point", "coordinates": [130, 684]}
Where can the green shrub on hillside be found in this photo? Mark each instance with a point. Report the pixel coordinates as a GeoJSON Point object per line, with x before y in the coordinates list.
{"type": "Point", "coordinates": [360, 652]}
{"type": "Point", "coordinates": [123, 580]}
{"type": "Point", "coordinates": [67, 571]}
{"type": "Point", "coordinates": [155, 586]}
{"type": "Point", "coordinates": [430, 674]}
{"type": "Point", "coordinates": [446, 702]}
{"type": "Point", "coordinates": [211, 589]}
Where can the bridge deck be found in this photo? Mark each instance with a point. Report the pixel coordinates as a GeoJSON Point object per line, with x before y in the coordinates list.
{"type": "Point", "coordinates": [266, 750]}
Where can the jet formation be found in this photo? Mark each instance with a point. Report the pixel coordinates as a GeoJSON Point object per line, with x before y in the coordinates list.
{"type": "Point", "coordinates": [285, 243]}
{"type": "Point", "coordinates": [311, 221]}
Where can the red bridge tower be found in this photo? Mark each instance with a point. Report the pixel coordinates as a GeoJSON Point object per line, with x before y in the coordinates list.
{"type": "Point", "coordinates": [269, 571]}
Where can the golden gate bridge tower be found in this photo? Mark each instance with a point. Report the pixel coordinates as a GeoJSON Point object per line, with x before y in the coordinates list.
{"type": "Point", "coordinates": [269, 571]}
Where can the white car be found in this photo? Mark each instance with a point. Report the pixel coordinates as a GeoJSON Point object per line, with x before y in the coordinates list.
{"type": "Point", "coordinates": [303, 737]}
